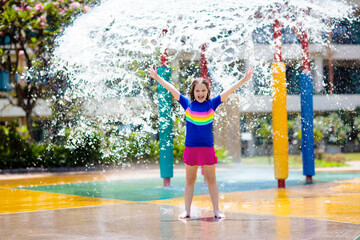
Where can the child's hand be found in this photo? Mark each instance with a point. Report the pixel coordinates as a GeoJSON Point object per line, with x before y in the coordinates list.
{"type": "Point", "coordinates": [248, 74]}
{"type": "Point", "coordinates": [153, 72]}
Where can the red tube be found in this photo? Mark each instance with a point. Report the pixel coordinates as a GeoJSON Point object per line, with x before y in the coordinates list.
{"type": "Point", "coordinates": [164, 56]}
{"type": "Point", "coordinates": [281, 183]}
{"type": "Point", "coordinates": [277, 26]}
{"type": "Point", "coordinates": [203, 74]}
{"type": "Point", "coordinates": [167, 182]}
{"type": "Point", "coordinates": [305, 54]}
{"type": "Point", "coordinates": [203, 64]}
{"type": "Point", "coordinates": [309, 179]}
{"type": "Point", "coordinates": [304, 40]}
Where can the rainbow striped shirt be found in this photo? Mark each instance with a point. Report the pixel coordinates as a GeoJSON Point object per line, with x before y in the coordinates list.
{"type": "Point", "coordinates": [199, 118]}
{"type": "Point", "coordinates": [199, 121]}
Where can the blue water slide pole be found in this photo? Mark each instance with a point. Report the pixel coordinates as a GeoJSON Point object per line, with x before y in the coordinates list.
{"type": "Point", "coordinates": [166, 144]}
{"type": "Point", "coordinates": [307, 126]}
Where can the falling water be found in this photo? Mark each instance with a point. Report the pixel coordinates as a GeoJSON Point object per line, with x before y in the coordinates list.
{"type": "Point", "coordinates": [106, 51]}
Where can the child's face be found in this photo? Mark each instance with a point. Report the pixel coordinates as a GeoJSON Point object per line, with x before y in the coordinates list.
{"type": "Point", "coordinates": [200, 92]}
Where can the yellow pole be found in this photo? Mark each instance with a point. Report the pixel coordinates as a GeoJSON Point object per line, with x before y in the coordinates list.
{"type": "Point", "coordinates": [280, 127]}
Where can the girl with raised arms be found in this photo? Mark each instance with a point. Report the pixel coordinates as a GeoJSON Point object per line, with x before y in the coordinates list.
{"type": "Point", "coordinates": [199, 142]}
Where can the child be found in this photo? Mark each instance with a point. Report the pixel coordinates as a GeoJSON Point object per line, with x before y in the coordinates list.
{"type": "Point", "coordinates": [199, 143]}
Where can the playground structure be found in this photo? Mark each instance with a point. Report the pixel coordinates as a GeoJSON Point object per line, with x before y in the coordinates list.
{"type": "Point", "coordinates": [134, 36]}
{"type": "Point", "coordinates": [280, 129]}
{"type": "Point", "coordinates": [113, 204]}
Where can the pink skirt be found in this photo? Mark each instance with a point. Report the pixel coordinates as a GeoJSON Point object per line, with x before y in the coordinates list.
{"type": "Point", "coordinates": [199, 156]}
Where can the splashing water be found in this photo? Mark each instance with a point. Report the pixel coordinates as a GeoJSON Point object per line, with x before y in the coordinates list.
{"type": "Point", "coordinates": [107, 50]}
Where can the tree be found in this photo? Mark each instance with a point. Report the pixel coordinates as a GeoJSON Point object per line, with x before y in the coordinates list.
{"type": "Point", "coordinates": [28, 29]}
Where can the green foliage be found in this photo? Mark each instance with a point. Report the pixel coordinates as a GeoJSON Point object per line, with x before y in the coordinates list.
{"type": "Point", "coordinates": [33, 24]}
{"type": "Point", "coordinates": [323, 163]}
{"type": "Point", "coordinates": [91, 149]}
{"type": "Point", "coordinates": [56, 156]}
{"type": "Point", "coordinates": [82, 147]}
{"type": "Point", "coordinates": [136, 147]}
{"type": "Point", "coordinates": [357, 128]}
{"type": "Point", "coordinates": [15, 150]}
{"type": "Point", "coordinates": [87, 150]}
{"type": "Point", "coordinates": [263, 133]}
{"type": "Point", "coordinates": [179, 140]}
{"type": "Point", "coordinates": [28, 29]}
{"type": "Point", "coordinates": [264, 129]}
{"type": "Point", "coordinates": [319, 163]}
{"type": "Point", "coordinates": [222, 155]}
{"type": "Point", "coordinates": [354, 156]}
{"type": "Point", "coordinates": [143, 148]}
{"type": "Point", "coordinates": [329, 160]}
{"type": "Point", "coordinates": [332, 128]}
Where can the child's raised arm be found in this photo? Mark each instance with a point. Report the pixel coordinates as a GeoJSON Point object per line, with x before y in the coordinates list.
{"type": "Point", "coordinates": [165, 84]}
{"type": "Point", "coordinates": [236, 85]}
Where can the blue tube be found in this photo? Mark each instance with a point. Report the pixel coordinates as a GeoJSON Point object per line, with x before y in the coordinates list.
{"type": "Point", "coordinates": [307, 126]}
{"type": "Point", "coordinates": [166, 143]}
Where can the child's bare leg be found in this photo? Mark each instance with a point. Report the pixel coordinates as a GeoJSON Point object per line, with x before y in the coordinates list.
{"type": "Point", "coordinates": [191, 172]}
{"type": "Point", "coordinates": [213, 188]}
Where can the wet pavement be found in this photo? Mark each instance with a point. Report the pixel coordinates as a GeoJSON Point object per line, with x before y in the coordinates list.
{"type": "Point", "coordinates": [132, 204]}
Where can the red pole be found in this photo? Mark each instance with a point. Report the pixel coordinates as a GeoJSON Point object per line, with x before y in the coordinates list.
{"type": "Point", "coordinates": [281, 183]}
{"type": "Point", "coordinates": [203, 64]}
{"type": "Point", "coordinates": [305, 56]}
{"type": "Point", "coordinates": [277, 39]}
{"type": "Point", "coordinates": [164, 56]}
{"type": "Point", "coordinates": [304, 40]}
{"type": "Point", "coordinates": [167, 182]}
{"type": "Point", "coordinates": [204, 74]}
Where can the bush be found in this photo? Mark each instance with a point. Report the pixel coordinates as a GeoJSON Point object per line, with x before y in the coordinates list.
{"type": "Point", "coordinates": [88, 152]}
{"type": "Point", "coordinates": [137, 147]}
{"type": "Point", "coordinates": [56, 156]}
{"type": "Point", "coordinates": [15, 150]}
{"type": "Point", "coordinates": [86, 148]}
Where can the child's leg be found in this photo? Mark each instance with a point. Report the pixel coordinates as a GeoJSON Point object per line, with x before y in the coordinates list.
{"type": "Point", "coordinates": [213, 188]}
{"type": "Point", "coordinates": [191, 172]}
